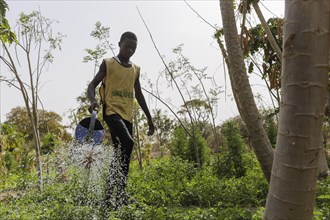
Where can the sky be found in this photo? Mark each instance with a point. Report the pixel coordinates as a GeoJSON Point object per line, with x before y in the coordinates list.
{"type": "Point", "coordinates": [171, 23]}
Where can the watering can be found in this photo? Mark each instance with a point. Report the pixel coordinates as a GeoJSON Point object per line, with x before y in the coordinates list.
{"type": "Point", "coordinates": [89, 130]}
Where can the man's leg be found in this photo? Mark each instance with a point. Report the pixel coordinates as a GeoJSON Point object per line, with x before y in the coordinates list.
{"type": "Point", "coordinates": [119, 168]}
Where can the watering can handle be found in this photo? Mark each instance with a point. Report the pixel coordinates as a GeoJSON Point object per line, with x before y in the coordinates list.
{"type": "Point", "coordinates": [92, 122]}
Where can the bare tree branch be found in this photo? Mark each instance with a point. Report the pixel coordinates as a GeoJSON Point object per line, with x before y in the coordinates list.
{"type": "Point", "coordinates": [158, 98]}
{"type": "Point", "coordinates": [182, 97]}
{"type": "Point", "coordinates": [200, 15]}
{"type": "Point", "coordinates": [270, 36]}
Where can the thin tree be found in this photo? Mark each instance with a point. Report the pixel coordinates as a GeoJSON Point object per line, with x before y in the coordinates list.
{"type": "Point", "coordinates": [242, 90]}
{"type": "Point", "coordinates": [170, 73]}
{"type": "Point", "coordinates": [304, 90]}
{"type": "Point", "coordinates": [34, 49]}
{"type": "Point", "coordinates": [102, 35]}
{"type": "Point", "coordinates": [270, 36]}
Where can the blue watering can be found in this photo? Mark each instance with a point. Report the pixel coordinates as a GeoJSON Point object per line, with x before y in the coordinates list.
{"type": "Point", "coordinates": [89, 130]}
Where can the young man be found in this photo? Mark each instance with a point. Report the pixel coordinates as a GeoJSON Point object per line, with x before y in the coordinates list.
{"type": "Point", "coordinates": [120, 80]}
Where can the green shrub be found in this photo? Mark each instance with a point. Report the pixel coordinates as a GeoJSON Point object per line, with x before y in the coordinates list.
{"type": "Point", "coordinates": [49, 141]}
{"type": "Point", "coordinates": [162, 182]}
{"type": "Point", "coordinates": [204, 190]}
{"type": "Point", "coordinates": [184, 146]}
{"type": "Point", "coordinates": [167, 188]}
{"type": "Point", "coordinates": [322, 209]}
{"type": "Point", "coordinates": [230, 159]}
{"type": "Point", "coordinates": [179, 143]}
{"type": "Point", "coordinates": [203, 149]}
{"type": "Point", "coordinates": [175, 182]}
{"type": "Point", "coordinates": [69, 200]}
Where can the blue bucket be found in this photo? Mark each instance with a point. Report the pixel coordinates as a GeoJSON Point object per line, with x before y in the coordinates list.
{"type": "Point", "coordinates": [89, 130]}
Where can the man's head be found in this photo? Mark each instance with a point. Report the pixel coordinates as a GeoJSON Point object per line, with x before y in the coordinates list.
{"type": "Point", "coordinates": [127, 44]}
{"type": "Point", "coordinates": [128, 35]}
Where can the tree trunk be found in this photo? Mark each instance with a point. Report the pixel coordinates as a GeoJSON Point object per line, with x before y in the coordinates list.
{"type": "Point", "coordinates": [33, 116]}
{"type": "Point", "coordinates": [304, 90]}
{"type": "Point", "coordinates": [242, 90]}
{"type": "Point", "coordinates": [36, 138]}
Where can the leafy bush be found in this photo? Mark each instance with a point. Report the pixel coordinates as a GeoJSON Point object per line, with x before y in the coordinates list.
{"type": "Point", "coordinates": [184, 146]}
{"type": "Point", "coordinates": [162, 182]}
{"type": "Point", "coordinates": [168, 188]}
{"type": "Point", "coordinates": [179, 143]}
{"type": "Point", "coordinates": [74, 199]}
{"type": "Point", "coordinates": [175, 182]}
{"type": "Point", "coordinates": [49, 141]}
{"type": "Point", "coordinates": [203, 150]}
{"type": "Point", "coordinates": [322, 201]}
{"type": "Point", "coordinates": [230, 160]}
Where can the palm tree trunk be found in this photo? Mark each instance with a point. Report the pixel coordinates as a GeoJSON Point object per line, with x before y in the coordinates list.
{"type": "Point", "coordinates": [242, 90]}
{"type": "Point", "coordinates": [304, 91]}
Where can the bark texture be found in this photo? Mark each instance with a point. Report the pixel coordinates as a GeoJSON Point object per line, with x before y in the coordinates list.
{"type": "Point", "coordinates": [304, 91]}
{"type": "Point", "coordinates": [242, 90]}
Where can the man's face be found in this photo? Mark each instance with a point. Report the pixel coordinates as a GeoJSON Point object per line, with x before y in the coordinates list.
{"type": "Point", "coordinates": [127, 48]}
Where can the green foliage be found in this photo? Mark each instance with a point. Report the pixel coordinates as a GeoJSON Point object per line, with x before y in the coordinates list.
{"type": "Point", "coordinates": [15, 158]}
{"type": "Point", "coordinates": [255, 42]}
{"type": "Point", "coordinates": [11, 137]}
{"type": "Point", "coordinates": [49, 142]}
{"type": "Point", "coordinates": [204, 151]}
{"type": "Point", "coordinates": [55, 202]}
{"type": "Point", "coordinates": [163, 127]}
{"type": "Point", "coordinates": [323, 199]}
{"type": "Point", "coordinates": [36, 28]}
{"type": "Point", "coordinates": [162, 181]}
{"type": "Point", "coordinates": [102, 35]}
{"type": "Point", "coordinates": [94, 55]}
{"type": "Point", "coordinates": [179, 143]}
{"type": "Point", "coordinates": [6, 35]}
{"type": "Point", "coordinates": [49, 122]}
{"type": "Point", "coordinates": [3, 9]}
{"type": "Point", "coordinates": [174, 188]}
{"type": "Point", "coordinates": [184, 146]}
{"type": "Point", "coordinates": [258, 214]}
{"type": "Point", "coordinates": [230, 161]}
{"type": "Point", "coordinates": [168, 188]}
{"type": "Point", "coordinates": [269, 122]}
{"type": "Point", "coordinates": [270, 126]}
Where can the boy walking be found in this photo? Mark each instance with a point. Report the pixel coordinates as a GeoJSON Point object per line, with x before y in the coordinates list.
{"type": "Point", "coordinates": [120, 81]}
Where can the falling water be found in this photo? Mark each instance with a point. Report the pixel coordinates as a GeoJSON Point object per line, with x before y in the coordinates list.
{"type": "Point", "coordinates": [101, 171]}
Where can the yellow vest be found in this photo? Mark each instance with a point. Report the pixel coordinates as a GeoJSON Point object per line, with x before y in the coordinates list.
{"type": "Point", "coordinates": [117, 89]}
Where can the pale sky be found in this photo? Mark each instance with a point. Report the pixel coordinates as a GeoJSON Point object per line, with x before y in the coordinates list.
{"type": "Point", "coordinates": [170, 22]}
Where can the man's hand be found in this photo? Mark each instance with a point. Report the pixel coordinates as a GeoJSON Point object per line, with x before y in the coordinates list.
{"type": "Point", "coordinates": [151, 128]}
{"type": "Point", "coordinates": [93, 106]}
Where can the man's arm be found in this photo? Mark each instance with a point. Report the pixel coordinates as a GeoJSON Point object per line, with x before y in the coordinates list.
{"type": "Point", "coordinates": [142, 102]}
{"type": "Point", "coordinates": [93, 84]}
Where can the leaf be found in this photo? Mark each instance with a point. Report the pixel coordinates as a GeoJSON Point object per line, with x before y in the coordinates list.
{"type": "Point", "coordinates": [251, 67]}
{"type": "Point", "coordinates": [6, 35]}
{"type": "Point", "coordinates": [3, 8]}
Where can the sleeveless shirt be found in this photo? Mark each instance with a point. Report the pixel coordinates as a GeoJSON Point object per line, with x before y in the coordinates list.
{"type": "Point", "coordinates": [119, 88]}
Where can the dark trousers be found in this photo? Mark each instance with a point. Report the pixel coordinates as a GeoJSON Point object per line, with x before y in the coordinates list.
{"type": "Point", "coordinates": [121, 135]}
